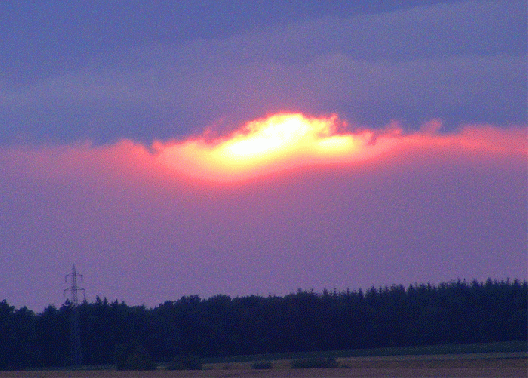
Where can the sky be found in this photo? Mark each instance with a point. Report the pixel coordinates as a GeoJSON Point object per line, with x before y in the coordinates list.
{"type": "Point", "coordinates": [259, 147]}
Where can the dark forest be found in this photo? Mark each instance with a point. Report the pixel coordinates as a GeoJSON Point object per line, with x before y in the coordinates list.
{"type": "Point", "coordinates": [422, 314]}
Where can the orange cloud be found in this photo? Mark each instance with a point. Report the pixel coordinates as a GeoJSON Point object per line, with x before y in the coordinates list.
{"type": "Point", "coordinates": [278, 144]}
{"type": "Point", "coordinates": [283, 142]}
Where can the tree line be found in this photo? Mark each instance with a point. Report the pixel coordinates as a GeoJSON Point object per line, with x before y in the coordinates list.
{"type": "Point", "coordinates": [455, 312]}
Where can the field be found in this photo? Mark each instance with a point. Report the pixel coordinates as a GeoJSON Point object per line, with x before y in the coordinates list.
{"type": "Point", "coordinates": [503, 359]}
{"type": "Point", "coordinates": [468, 365]}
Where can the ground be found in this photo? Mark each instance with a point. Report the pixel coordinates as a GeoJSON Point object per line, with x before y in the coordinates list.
{"type": "Point", "coordinates": [468, 365]}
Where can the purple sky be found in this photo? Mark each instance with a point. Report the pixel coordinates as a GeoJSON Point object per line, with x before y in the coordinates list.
{"type": "Point", "coordinates": [91, 99]}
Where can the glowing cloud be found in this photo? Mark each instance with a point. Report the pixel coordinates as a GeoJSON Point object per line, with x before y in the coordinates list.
{"type": "Point", "coordinates": [277, 143]}
{"type": "Point", "coordinates": [283, 142]}
{"type": "Point", "coordinates": [280, 143]}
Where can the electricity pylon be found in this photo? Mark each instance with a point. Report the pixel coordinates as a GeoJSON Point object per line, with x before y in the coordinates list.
{"type": "Point", "coordinates": [75, 334]}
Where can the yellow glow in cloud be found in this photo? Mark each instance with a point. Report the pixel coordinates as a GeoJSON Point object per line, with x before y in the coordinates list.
{"type": "Point", "coordinates": [286, 141]}
{"type": "Point", "coordinates": [274, 144]}
{"type": "Point", "coordinates": [279, 138]}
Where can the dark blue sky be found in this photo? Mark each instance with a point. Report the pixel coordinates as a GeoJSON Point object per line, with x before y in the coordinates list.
{"type": "Point", "coordinates": [150, 70]}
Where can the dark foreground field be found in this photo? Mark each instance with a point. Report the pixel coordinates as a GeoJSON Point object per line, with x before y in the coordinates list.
{"type": "Point", "coordinates": [500, 365]}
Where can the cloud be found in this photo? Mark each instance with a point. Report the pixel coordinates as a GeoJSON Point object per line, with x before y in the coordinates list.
{"type": "Point", "coordinates": [426, 207]}
{"type": "Point", "coordinates": [285, 142]}
{"type": "Point", "coordinates": [462, 62]}
{"type": "Point", "coordinates": [277, 143]}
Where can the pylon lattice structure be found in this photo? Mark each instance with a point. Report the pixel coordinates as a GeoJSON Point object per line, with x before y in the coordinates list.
{"type": "Point", "coordinates": [75, 334]}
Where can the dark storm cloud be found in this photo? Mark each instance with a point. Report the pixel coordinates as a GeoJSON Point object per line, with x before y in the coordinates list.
{"type": "Point", "coordinates": [458, 61]}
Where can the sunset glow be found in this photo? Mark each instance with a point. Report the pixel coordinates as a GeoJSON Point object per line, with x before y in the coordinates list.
{"type": "Point", "coordinates": [277, 143]}
{"type": "Point", "coordinates": [212, 150]}
{"type": "Point", "coordinates": [283, 142]}
{"type": "Point", "coordinates": [271, 193]}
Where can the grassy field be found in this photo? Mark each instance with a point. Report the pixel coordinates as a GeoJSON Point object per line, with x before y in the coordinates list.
{"type": "Point", "coordinates": [472, 360]}
{"type": "Point", "coordinates": [444, 349]}
{"type": "Point", "coordinates": [356, 367]}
